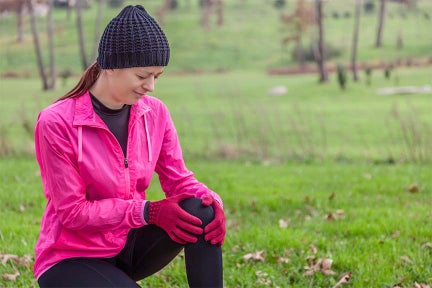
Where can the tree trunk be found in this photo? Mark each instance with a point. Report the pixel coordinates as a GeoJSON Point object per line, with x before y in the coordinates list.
{"type": "Point", "coordinates": [166, 6]}
{"type": "Point", "coordinates": [381, 20]}
{"type": "Point", "coordinates": [50, 30]}
{"type": "Point", "coordinates": [20, 22]}
{"type": "Point", "coordinates": [220, 12]}
{"type": "Point", "coordinates": [36, 43]}
{"type": "Point", "coordinates": [98, 30]}
{"type": "Point", "coordinates": [320, 59]}
{"type": "Point", "coordinates": [81, 39]}
{"type": "Point", "coordinates": [358, 5]}
{"type": "Point", "coordinates": [207, 9]}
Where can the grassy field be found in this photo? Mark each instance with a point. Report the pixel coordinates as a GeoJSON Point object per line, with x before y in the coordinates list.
{"type": "Point", "coordinates": [316, 176]}
{"type": "Point", "coordinates": [360, 216]}
{"type": "Point", "coordinates": [231, 115]}
{"type": "Point", "coordinates": [342, 195]}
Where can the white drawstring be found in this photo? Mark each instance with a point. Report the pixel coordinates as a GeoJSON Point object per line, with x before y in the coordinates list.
{"type": "Point", "coordinates": [80, 144]}
{"type": "Point", "coordinates": [148, 140]}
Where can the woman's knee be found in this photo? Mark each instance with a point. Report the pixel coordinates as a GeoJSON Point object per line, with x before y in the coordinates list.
{"type": "Point", "coordinates": [194, 206]}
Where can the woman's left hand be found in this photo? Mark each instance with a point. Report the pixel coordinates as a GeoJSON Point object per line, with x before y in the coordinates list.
{"type": "Point", "coordinates": [215, 231]}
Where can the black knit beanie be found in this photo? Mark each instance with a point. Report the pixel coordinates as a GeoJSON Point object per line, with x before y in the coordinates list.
{"type": "Point", "coordinates": [133, 39]}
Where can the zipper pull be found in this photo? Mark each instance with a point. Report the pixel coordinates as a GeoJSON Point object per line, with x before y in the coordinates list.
{"type": "Point", "coordinates": [126, 164]}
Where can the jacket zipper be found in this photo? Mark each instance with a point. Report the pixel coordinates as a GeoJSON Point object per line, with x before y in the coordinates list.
{"type": "Point", "coordinates": [125, 159]}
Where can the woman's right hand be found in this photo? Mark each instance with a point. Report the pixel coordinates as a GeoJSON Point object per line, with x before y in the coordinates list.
{"type": "Point", "coordinates": [179, 224]}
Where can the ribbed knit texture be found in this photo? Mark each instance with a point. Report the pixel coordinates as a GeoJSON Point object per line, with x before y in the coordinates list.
{"type": "Point", "coordinates": [133, 39]}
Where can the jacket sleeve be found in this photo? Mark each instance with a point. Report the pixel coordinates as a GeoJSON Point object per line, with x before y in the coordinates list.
{"type": "Point", "coordinates": [65, 190]}
{"type": "Point", "coordinates": [174, 177]}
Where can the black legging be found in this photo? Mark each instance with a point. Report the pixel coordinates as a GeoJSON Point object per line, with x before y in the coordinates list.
{"type": "Point", "coordinates": [148, 249]}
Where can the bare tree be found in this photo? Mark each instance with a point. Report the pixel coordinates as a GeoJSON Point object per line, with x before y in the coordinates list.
{"type": "Point", "coordinates": [20, 20]}
{"type": "Point", "coordinates": [210, 6]}
{"type": "Point", "coordinates": [358, 5]}
{"type": "Point", "coordinates": [299, 21]}
{"type": "Point", "coordinates": [381, 20]}
{"type": "Point", "coordinates": [98, 30]}
{"type": "Point", "coordinates": [320, 49]}
{"type": "Point", "coordinates": [36, 43]}
{"type": "Point", "coordinates": [81, 39]}
{"type": "Point", "coordinates": [161, 12]}
{"type": "Point", "coordinates": [50, 30]}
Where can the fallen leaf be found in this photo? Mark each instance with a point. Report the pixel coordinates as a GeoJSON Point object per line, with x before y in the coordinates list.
{"type": "Point", "coordinates": [426, 245]}
{"type": "Point", "coordinates": [416, 285]}
{"type": "Point", "coordinates": [406, 259]}
{"type": "Point", "coordinates": [323, 265]}
{"type": "Point", "coordinates": [413, 188]}
{"type": "Point", "coordinates": [262, 278]}
{"type": "Point", "coordinates": [343, 280]}
{"type": "Point", "coordinates": [330, 217]}
{"type": "Point", "coordinates": [326, 264]}
{"type": "Point", "coordinates": [284, 223]}
{"type": "Point", "coordinates": [11, 277]}
{"type": "Point", "coordinates": [281, 260]}
{"type": "Point", "coordinates": [257, 256]}
{"type": "Point", "coordinates": [340, 212]}
{"type": "Point", "coordinates": [313, 249]}
{"type": "Point", "coordinates": [6, 257]}
{"type": "Point", "coordinates": [24, 261]}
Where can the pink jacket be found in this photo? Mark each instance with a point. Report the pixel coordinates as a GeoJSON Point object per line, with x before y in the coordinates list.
{"type": "Point", "coordinates": [95, 195]}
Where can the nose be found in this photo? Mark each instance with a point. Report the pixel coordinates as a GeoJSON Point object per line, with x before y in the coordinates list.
{"type": "Point", "coordinates": [149, 84]}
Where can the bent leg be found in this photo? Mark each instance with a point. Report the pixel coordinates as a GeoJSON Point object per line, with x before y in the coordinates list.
{"type": "Point", "coordinates": [85, 272]}
{"type": "Point", "coordinates": [149, 249]}
{"type": "Point", "coordinates": [203, 260]}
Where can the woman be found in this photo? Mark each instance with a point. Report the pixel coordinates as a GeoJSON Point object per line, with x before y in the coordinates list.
{"type": "Point", "coordinates": [97, 148]}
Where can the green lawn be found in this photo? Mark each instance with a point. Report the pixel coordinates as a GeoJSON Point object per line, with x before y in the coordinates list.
{"type": "Point", "coordinates": [380, 232]}
{"type": "Point", "coordinates": [231, 115]}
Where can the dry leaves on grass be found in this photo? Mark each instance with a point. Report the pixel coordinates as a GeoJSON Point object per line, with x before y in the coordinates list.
{"type": "Point", "coordinates": [255, 256]}
{"type": "Point", "coordinates": [283, 223]}
{"type": "Point", "coordinates": [343, 280]}
{"type": "Point", "coordinates": [417, 285]}
{"type": "Point", "coordinates": [24, 261]}
{"type": "Point", "coordinates": [413, 188]}
{"type": "Point", "coordinates": [262, 278]}
{"type": "Point", "coordinates": [11, 277]}
{"type": "Point", "coordinates": [406, 259]}
{"type": "Point", "coordinates": [322, 264]}
{"type": "Point", "coordinates": [284, 259]}
{"type": "Point", "coordinates": [426, 245]}
{"type": "Point", "coordinates": [339, 214]}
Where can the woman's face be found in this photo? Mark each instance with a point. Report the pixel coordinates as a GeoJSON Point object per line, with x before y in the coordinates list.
{"type": "Point", "coordinates": [128, 85]}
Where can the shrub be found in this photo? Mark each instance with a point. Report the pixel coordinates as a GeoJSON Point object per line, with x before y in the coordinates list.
{"type": "Point", "coordinates": [369, 7]}
{"type": "Point", "coordinates": [308, 55]}
{"type": "Point", "coordinates": [279, 4]}
{"type": "Point", "coordinates": [341, 76]}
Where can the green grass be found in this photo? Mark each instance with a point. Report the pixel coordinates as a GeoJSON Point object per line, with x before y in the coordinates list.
{"type": "Point", "coordinates": [382, 222]}
{"type": "Point", "coordinates": [231, 115]}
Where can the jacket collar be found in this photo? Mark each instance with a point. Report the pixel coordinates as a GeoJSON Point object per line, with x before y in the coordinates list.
{"type": "Point", "coordinates": [86, 116]}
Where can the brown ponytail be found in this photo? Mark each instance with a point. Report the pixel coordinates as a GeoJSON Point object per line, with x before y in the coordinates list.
{"type": "Point", "coordinates": [87, 80]}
